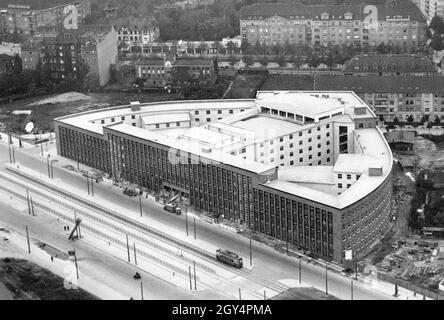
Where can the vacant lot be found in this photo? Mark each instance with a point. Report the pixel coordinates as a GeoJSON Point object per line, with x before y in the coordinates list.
{"type": "Point", "coordinates": [43, 112]}
{"type": "Point", "coordinates": [278, 82]}
{"type": "Point", "coordinates": [28, 281]}
{"type": "Point", "coordinates": [245, 87]}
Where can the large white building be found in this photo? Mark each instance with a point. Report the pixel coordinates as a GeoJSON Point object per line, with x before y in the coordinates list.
{"type": "Point", "coordinates": [430, 8]}
{"type": "Point", "coordinates": [308, 167]}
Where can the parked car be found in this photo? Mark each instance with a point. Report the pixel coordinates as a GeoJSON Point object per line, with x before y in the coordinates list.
{"type": "Point", "coordinates": [172, 208]}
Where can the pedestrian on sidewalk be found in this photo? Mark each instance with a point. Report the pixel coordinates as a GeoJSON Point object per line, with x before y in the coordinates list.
{"type": "Point", "coordinates": [52, 259]}
{"type": "Point", "coordinates": [64, 228]}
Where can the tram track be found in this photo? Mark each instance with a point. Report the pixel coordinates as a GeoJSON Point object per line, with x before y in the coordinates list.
{"type": "Point", "coordinates": [128, 222]}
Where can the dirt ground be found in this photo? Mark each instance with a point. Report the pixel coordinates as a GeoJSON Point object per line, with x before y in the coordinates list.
{"type": "Point", "coordinates": [28, 281]}
{"type": "Point", "coordinates": [46, 108]}
{"type": "Point", "coordinates": [303, 294]}
{"type": "Point", "coordinates": [244, 87]}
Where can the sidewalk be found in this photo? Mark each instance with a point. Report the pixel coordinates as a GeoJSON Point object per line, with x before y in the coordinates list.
{"type": "Point", "coordinates": [379, 285]}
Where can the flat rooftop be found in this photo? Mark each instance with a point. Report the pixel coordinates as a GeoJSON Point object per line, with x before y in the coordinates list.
{"type": "Point", "coordinates": [374, 147]}
{"type": "Point", "coordinates": [265, 127]}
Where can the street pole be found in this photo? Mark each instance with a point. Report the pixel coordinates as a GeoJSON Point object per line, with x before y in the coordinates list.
{"type": "Point", "coordinates": [127, 248]}
{"type": "Point", "coordinates": [194, 228]}
{"type": "Point", "coordinates": [87, 182]}
{"type": "Point", "coordinates": [135, 256]}
{"type": "Point", "coordinates": [195, 281]}
{"type": "Point", "coordinates": [13, 155]}
{"type": "Point", "coordinates": [265, 297]}
{"type": "Point", "coordinates": [300, 270]}
{"type": "Point", "coordinates": [356, 265]}
{"type": "Point", "coordinates": [52, 170]}
{"type": "Point", "coordinates": [92, 186]}
{"type": "Point", "coordinates": [29, 204]}
{"type": "Point", "coordinates": [41, 149]}
{"type": "Point", "coordinates": [140, 205]}
{"type": "Point", "coordinates": [10, 155]}
{"type": "Point", "coordinates": [240, 296]}
{"type": "Point", "coordinates": [352, 289]}
{"type": "Point", "coordinates": [47, 164]}
{"type": "Point", "coordinates": [251, 253]}
{"type": "Point", "coordinates": [32, 207]}
{"type": "Point", "coordinates": [27, 238]}
{"type": "Point", "coordinates": [189, 272]}
{"type": "Point", "coordinates": [75, 261]}
{"type": "Point", "coordinates": [326, 280]}
{"type": "Point", "coordinates": [141, 290]}
{"type": "Point", "coordinates": [186, 221]}
{"type": "Point", "coordinates": [75, 219]}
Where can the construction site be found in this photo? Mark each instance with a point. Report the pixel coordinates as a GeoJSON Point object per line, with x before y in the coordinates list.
{"type": "Point", "coordinates": [408, 253]}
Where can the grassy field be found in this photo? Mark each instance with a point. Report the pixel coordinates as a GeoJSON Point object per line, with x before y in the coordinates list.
{"type": "Point", "coordinates": [278, 82]}
{"type": "Point", "coordinates": [245, 87]}
{"type": "Point", "coordinates": [43, 115]}
{"type": "Point", "coordinates": [28, 281]}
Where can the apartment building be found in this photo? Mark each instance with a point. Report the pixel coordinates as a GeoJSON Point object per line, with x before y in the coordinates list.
{"type": "Point", "coordinates": [135, 32]}
{"type": "Point", "coordinates": [394, 23]}
{"type": "Point", "coordinates": [158, 72]}
{"type": "Point", "coordinates": [390, 65]}
{"type": "Point", "coordinates": [430, 8]}
{"type": "Point", "coordinates": [390, 97]}
{"type": "Point", "coordinates": [25, 16]}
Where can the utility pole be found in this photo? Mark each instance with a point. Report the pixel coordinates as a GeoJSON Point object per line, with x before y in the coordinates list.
{"type": "Point", "coordinates": [75, 219]}
{"type": "Point", "coordinates": [352, 289]}
{"type": "Point", "coordinates": [127, 248]}
{"type": "Point", "coordinates": [75, 261]}
{"type": "Point", "coordinates": [186, 222]}
{"type": "Point", "coordinates": [265, 297]}
{"type": "Point", "coordinates": [141, 290]}
{"type": "Point", "coordinates": [13, 154]}
{"type": "Point", "coordinates": [194, 228]}
{"type": "Point", "coordinates": [195, 281]}
{"type": "Point", "coordinates": [87, 182]}
{"type": "Point", "coordinates": [140, 205]}
{"type": "Point", "coordinates": [27, 238]}
{"type": "Point", "coordinates": [135, 256]}
{"type": "Point", "coordinates": [29, 204]}
{"type": "Point", "coordinates": [52, 170]}
{"type": "Point", "coordinates": [300, 269]}
{"type": "Point", "coordinates": [251, 253]}
{"type": "Point", "coordinates": [240, 296]}
{"type": "Point", "coordinates": [41, 149]}
{"type": "Point", "coordinates": [92, 186]}
{"type": "Point", "coordinates": [189, 271]}
{"type": "Point", "coordinates": [326, 280]}
{"type": "Point", "coordinates": [32, 207]}
{"type": "Point", "coordinates": [47, 164]}
{"type": "Point", "coordinates": [10, 155]}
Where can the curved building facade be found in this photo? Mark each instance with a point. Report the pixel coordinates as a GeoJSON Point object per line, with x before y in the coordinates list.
{"type": "Point", "coordinates": [306, 167]}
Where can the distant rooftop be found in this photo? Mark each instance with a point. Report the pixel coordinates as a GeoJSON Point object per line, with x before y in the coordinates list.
{"type": "Point", "coordinates": [37, 4]}
{"type": "Point", "coordinates": [393, 63]}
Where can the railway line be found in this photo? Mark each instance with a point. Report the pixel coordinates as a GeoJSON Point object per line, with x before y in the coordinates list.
{"type": "Point", "coordinates": [122, 224]}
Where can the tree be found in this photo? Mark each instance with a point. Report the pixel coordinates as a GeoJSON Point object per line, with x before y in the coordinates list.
{"type": "Point", "coordinates": [314, 61]}
{"type": "Point", "coordinates": [281, 61]}
{"type": "Point", "coordinates": [247, 60]}
{"type": "Point", "coordinates": [232, 60]}
{"type": "Point", "coordinates": [263, 61]}
{"type": "Point", "coordinates": [437, 120]}
{"type": "Point", "coordinates": [244, 45]}
{"type": "Point", "coordinates": [410, 118]}
{"type": "Point", "coordinates": [429, 125]}
{"type": "Point", "coordinates": [231, 47]}
{"type": "Point", "coordinates": [396, 121]}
